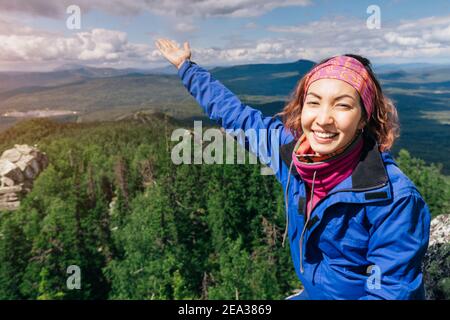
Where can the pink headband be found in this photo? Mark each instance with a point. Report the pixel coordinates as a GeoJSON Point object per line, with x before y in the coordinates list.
{"type": "Point", "coordinates": [347, 69]}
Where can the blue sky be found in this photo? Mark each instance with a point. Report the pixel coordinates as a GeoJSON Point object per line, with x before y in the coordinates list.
{"type": "Point", "coordinates": [121, 33]}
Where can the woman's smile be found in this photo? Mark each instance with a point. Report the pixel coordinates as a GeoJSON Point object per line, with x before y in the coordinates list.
{"type": "Point", "coordinates": [324, 137]}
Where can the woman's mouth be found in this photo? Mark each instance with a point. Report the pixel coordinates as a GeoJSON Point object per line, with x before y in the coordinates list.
{"type": "Point", "coordinates": [324, 137]}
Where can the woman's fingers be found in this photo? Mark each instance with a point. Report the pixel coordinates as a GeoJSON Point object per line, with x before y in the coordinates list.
{"type": "Point", "coordinates": [164, 44]}
{"type": "Point", "coordinates": [172, 51]}
{"type": "Point", "coordinates": [158, 45]}
{"type": "Point", "coordinates": [170, 45]}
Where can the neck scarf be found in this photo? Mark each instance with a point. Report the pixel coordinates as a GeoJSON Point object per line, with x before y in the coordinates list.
{"type": "Point", "coordinates": [321, 173]}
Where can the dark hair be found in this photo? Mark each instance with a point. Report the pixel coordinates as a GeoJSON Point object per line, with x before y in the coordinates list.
{"type": "Point", "coordinates": [383, 124]}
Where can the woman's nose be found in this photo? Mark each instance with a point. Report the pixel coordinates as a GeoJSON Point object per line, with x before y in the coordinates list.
{"type": "Point", "coordinates": [324, 116]}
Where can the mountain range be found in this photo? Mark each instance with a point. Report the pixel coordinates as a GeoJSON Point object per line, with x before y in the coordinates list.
{"type": "Point", "coordinates": [421, 93]}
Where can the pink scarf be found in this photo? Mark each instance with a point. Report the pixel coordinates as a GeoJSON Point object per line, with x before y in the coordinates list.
{"type": "Point", "coordinates": [323, 176]}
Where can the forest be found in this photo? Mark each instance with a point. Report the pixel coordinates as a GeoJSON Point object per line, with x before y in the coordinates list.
{"type": "Point", "coordinates": [140, 227]}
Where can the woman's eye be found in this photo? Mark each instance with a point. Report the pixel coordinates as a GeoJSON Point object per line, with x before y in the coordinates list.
{"type": "Point", "coordinates": [344, 105]}
{"type": "Point", "coordinates": [312, 102]}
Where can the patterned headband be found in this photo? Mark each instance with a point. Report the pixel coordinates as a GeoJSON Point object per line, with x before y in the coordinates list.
{"type": "Point", "coordinates": [347, 69]}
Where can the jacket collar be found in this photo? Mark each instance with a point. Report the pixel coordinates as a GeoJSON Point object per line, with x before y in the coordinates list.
{"type": "Point", "coordinates": [369, 173]}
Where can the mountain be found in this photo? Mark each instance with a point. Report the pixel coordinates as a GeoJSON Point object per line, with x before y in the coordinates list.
{"type": "Point", "coordinates": [169, 69]}
{"type": "Point", "coordinates": [69, 66]}
{"type": "Point", "coordinates": [95, 90]}
{"type": "Point", "coordinates": [263, 79]}
{"type": "Point", "coordinates": [62, 75]}
{"type": "Point", "coordinates": [382, 68]}
{"type": "Point", "coordinates": [106, 98]}
{"type": "Point", "coordinates": [417, 76]}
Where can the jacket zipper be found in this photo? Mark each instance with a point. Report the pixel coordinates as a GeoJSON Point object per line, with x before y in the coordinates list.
{"type": "Point", "coordinates": [307, 221]}
{"type": "Point", "coordinates": [310, 214]}
{"type": "Point", "coordinates": [301, 244]}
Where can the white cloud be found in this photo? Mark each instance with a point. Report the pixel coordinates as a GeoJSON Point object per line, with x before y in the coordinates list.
{"type": "Point", "coordinates": [426, 32]}
{"type": "Point", "coordinates": [94, 46]}
{"type": "Point", "coordinates": [438, 34]}
{"type": "Point", "coordinates": [414, 39]}
{"type": "Point", "coordinates": [421, 39]}
{"type": "Point", "coordinates": [393, 37]}
{"type": "Point", "coordinates": [185, 27]}
{"type": "Point", "coordinates": [207, 8]}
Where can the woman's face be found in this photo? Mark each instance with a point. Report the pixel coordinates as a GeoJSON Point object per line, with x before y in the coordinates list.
{"type": "Point", "coordinates": [331, 115]}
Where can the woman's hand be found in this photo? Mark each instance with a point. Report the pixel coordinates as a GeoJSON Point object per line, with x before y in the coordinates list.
{"type": "Point", "coordinates": [172, 52]}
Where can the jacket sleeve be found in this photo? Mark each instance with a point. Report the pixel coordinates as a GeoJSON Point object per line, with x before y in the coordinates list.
{"type": "Point", "coordinates": [398, 242]}
{"type": "Point", "coordinates": [260, 135]}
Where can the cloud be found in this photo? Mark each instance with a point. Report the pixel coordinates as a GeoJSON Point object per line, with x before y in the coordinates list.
{"type": "Point", "coordinates": [185, 27]}
{"type": "Point", "coordinates": [206, 8]}
{"type": "Point", "coordinates": [426, 32]}
{"type": "Point", "coordinates": [410, 39]}
{"type": "Point", "coordinates": [421, 39]}
{"type": "Point", "coordinates": [97, 46]}
{"type": "Point", "coordinates": [11, 26]}
{"type": "Point", "coordinates": [57, 9]}
{"type": "Point", "coordinates": [396, 38]}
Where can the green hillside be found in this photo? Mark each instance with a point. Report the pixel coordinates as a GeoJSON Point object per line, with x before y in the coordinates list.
{"type": "Point", "coordinates": [16, 80]}
{"type": "Point", "coordinates": [115, 94]}
{"type": "Point", "coordinates": [174, 232]}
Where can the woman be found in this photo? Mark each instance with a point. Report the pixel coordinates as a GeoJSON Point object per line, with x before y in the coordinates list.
{"type": "Point", "coordinates": [357, 226]}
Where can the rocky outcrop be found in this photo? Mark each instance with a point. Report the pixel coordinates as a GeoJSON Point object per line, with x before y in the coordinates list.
{"type": "Point", "coordinates": [436, 264]}
{"type": "Point", "coordinates": [19, 167]}
{"type": "Point", "coordinates": [440, 230]}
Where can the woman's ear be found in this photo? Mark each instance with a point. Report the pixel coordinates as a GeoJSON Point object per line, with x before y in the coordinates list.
{"type": "Point", "coordinates": [362, 123]}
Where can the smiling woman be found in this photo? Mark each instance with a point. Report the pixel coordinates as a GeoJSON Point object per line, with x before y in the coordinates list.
{"type": "Point", "coordinates": [331, 120]}
{"type": "Point", "coordinates": [358, 227]}
{"type": "Point", "coordinates": [381, 121]}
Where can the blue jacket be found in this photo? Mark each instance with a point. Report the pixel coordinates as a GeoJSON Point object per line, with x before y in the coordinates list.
{"type": "Point", "coordinates": [365, 240]}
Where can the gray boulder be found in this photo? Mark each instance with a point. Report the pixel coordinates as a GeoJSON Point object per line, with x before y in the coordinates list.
{"type": "Point", "coordinates": [19, 167]}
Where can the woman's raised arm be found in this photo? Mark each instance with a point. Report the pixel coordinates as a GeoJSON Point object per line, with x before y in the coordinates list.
{"type": "Point", "coordinates": [262, 135]}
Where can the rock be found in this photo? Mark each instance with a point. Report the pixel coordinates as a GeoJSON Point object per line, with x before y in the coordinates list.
{"type": "Point", "coordinates": [12, 155]}
{"type": "Point", "coordinates": [440, 230]}
{"type": "Point", "coordinates": [19, 167]}
{"type": "Point", "coordinates": [29, 166]}
{"type": "Point", "coordinates": [10, 170]}
{"type": "Point", "coordinates": [436, 265]}
{"type": "Point", "coordinates": [10, 197]}
{"type": "Point", "coordinates": [6, 190]}
{"type": "Point", "coordinates": [25, 149]}
{"type": "Point", "coordinates": [6, 182]}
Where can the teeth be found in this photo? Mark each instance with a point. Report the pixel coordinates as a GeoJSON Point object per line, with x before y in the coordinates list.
{"type": "Point", "coordinates": [324, 134]}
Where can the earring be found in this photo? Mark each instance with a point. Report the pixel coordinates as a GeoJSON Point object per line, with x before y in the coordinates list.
{"type": "Point", "coordinates": [361, 131]}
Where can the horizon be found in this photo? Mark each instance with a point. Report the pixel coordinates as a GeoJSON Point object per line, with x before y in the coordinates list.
{"type": "Point", "coordinates": [68, 67]}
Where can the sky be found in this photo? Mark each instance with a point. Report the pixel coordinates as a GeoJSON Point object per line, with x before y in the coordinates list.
{"type": "Point", "coordinates": [41, 35]}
